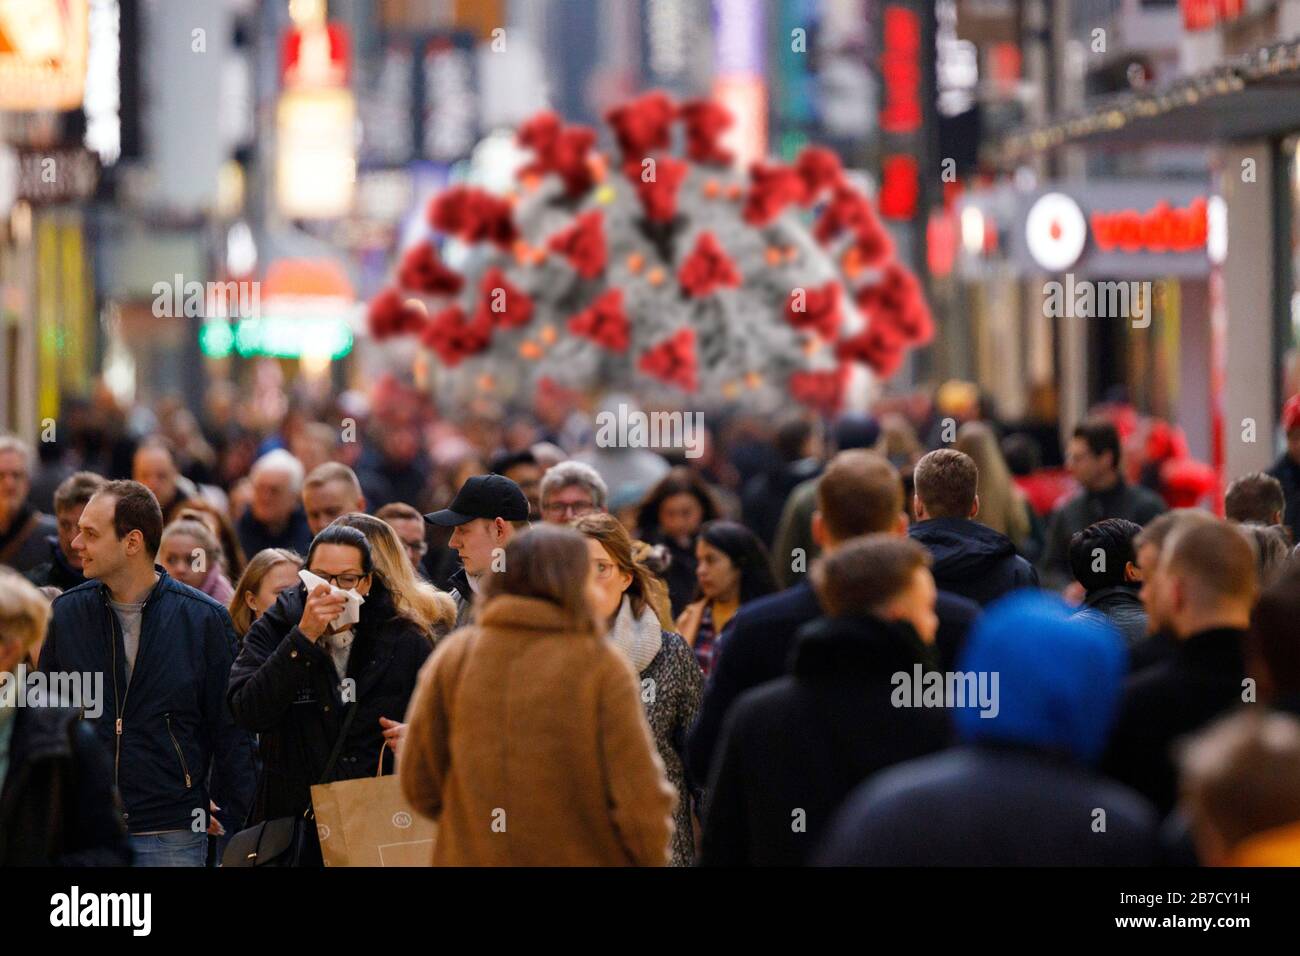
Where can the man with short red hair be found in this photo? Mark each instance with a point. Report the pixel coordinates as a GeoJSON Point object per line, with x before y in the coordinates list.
{"type": "Point", "coordinates": [1287, 468]}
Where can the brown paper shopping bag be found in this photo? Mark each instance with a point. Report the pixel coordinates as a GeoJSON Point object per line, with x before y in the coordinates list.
{"type": "Point", "coordinates": [367, 822]}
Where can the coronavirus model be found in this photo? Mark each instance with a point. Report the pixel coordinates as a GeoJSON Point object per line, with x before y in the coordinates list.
{"type": "Point", "coordinates": [665, 273]}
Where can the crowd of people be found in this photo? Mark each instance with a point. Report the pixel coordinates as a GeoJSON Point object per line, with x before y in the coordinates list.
{"type": "Point", "coordinates": [812, 644]}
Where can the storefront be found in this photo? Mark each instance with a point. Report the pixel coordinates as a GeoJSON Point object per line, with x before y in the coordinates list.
{"type": "Point", "coordinates": [1079, 293]}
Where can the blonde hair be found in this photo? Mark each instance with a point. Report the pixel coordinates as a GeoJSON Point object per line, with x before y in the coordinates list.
{"type": "Point", "coordinates": [251, 581]}
{"type": "Point", "coordinates": [646, 590]}
{"type": "Point", "coordinates": [24, 611]}
{"type": "Point", "coordinates": [1002, 507]}
{"type": "Point", "coordinates": [413, 598]}
{"type": "Point", "coordinates": [197, 529]}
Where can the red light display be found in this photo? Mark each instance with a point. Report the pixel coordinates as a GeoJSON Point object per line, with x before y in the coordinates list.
{"type": "Point", "coordinates": [1203, 14]}
{"type": "Point", "coordinates": [900, 67]}
{"type": "Point", "coordinates": [900, 187]}
{"type": "Point", "coordinates": [1162, 228]}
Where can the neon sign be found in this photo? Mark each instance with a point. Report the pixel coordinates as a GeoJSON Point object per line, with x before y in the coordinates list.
{"type": "Point", "coordinates": [1163, 228]}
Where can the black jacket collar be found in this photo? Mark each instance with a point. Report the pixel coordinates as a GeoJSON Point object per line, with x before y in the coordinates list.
{"type": "Point", "coordinates": [1218, 649]}
{"type": "Point", "coordinates": [858, 646]}
{"type": "Point", "coordinates": [459, 580]}
{"type": "Point", "coordinates": [1111, 596]}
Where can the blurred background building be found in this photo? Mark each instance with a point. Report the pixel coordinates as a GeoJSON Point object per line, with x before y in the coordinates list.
{"type": "Point", "coordinates": [204, 191]}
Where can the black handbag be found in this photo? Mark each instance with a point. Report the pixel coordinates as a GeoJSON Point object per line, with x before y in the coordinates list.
{"type": "Point", "coordinates": [283, 840]}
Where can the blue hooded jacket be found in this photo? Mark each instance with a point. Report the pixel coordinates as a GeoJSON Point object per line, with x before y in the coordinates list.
{"type": "Point", "coordinates": [1018, 791]}
{"type": "Point", "coordinates": [1059, 677]}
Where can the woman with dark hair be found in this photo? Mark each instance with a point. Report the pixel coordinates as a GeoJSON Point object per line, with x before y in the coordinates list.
{"type": "Point", "coordinates": [526, 741]}
{"type": "Point", "coordinates": [312, 671]}
{"type": "Point", "coordinates": [732, 568]}
{"type": "Point", "coordinates": [671, 515]}
{"type": "Point", "coordinates": [633, 605]}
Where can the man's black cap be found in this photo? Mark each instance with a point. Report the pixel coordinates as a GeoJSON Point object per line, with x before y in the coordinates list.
{"type": "Point", "coordinates": [483, 496]}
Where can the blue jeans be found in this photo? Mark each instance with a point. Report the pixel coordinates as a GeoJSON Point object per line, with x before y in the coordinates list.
{"type": "Point", "coordinates": [172, 848]}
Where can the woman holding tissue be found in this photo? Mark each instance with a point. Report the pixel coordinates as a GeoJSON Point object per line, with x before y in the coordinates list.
{"type": "Point", "coordinates": [328, 662]}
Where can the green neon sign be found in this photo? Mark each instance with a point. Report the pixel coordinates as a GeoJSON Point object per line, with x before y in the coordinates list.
{"type": "Point", "coordinates": [280, 337]}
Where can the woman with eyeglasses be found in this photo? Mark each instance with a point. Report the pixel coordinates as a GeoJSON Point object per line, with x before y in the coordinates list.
{"type": "Point", "coordinates": [633, 605]}
{"type": "Point", "coordinates": [300, 673]}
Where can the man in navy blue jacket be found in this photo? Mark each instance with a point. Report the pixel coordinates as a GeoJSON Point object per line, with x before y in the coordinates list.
{"type": "Point", "coordinates": [164, 652]}
{"type": "Point", "coordinates": [859, 493]}
{"type": "Point", "coordinates": [970, 559]}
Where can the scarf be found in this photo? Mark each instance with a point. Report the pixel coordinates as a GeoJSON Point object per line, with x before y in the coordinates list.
{"type": "Point", "coordinates": [639, 638]}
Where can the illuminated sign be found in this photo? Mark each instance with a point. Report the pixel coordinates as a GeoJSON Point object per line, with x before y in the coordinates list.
{"type": "Point", "coordinates": [1113, 229]}
{"type": "Point", "coordinates": [316, 165]}
{"type": "Point", "coordinates": [901, 112]}
{"type": "Point", "coordinates": [281, 337]}
{"type": "Point", "coordinates": [1055, 231]}
{"type": "Point", "coordinates": [1162, 228]}
{"type": "Point", "coordinates": [43, 48]}
{"type": "Point", "coordinates": [449, 120]}
{"type": "Point", "coordinates": [1203, 14]}
{"type": "Point", "coordinates": [315, 57]}
{"type": "Point", "coordinates": [739, 63]}
{"type": "Point", "coordinates": [900, 66]}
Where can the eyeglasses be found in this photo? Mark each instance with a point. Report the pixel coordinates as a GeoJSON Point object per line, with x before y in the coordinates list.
{"type": "Point", "coordinates": [575, 508]}
{"type": "Point", "coordinates": [345, 581]}
{"type": "Point", "coordinates": [604, 570]}
{"type": "Point", "coordinates": [418, 548]}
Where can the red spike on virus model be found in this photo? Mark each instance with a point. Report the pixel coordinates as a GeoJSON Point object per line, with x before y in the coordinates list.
{"type": "Point", "coordinates": [659, 269]}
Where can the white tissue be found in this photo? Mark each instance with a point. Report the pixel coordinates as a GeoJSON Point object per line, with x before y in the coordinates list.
{"type": "Point", "coordinates": [351, 614]}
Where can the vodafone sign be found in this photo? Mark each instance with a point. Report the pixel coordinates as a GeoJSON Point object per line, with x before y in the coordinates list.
{"type": "Point", "coordinates": [1119, 229]}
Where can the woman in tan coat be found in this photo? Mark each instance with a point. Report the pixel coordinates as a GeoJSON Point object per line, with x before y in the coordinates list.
{"type": "Point", "coordinates": [526, 739]}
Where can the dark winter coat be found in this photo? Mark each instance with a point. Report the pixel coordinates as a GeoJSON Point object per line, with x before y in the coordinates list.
{"type": "Point", "coordinates": [1020, 791]}
{"type": "Point", "coordinates": [1131, 502]}
{"type": "Point", "coordinates": [764, 496]}
{"type": "Point", "coordinates": [1287, 472]}
{"type": "Point", "coordinates": [24, 539]}
{"type": "Point", "coordinates": [1122, 606]}
{"type": "Point", "coordinates": [972, 560]}
{"type": "Point", "coordinates": [59, 806]}
{"type": "Point", "coordinates": [680, 576]}
{"type": "Point", "coordinates": [794, 748]}
{"type": "Point", "coordinates": [176, 731]}
{"type": "Point", "coordinates": [1200, 680]}
{"type": "Point", "coordinates": [56, 572]}
{"type": "Point", "coordinates": [991, 804]}
{"type": "Point", "coordinates": [255, 536]}
{"type": "Point", "coordinates": [756, 645]}
{"type": "Point", "coordinates": [285, 688]}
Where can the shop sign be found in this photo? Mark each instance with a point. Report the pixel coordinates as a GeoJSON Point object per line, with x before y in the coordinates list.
{"type": "Point", "coordinates": [1204, 14]}
{"type": "Point", "coordinates": [901, 112]}
{"type": "Point", "coordinates": [1162, 228]}
{"type": "Point", "coordinates": [1118, 229]}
